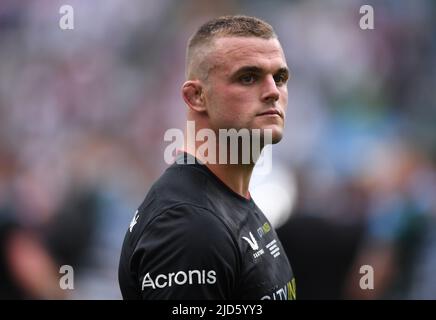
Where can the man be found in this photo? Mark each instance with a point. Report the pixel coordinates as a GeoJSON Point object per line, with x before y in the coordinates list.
{"type": "Point", "coordinates": [198, 234]}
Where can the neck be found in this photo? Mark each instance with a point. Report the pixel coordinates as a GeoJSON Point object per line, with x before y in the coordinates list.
{"type": "Point", "coordinates": [235, 176]}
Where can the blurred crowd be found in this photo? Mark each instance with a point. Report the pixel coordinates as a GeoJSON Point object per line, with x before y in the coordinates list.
{"type": "Point", "coordinates": [83, 114]}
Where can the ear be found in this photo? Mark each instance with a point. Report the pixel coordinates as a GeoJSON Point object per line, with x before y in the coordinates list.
{"type": "Point", "coordinates": [193, 94]}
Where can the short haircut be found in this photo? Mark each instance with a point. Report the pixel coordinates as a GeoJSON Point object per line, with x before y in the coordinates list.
{"type": "Point", "coordinates": [226, 26]}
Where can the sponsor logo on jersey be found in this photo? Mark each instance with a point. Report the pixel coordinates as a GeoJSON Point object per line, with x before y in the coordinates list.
{"type": "Point", "coordinates": [252, 242]}
{"type": "Point", "coordinates": [179, 278]}
{"type": "Point", "coordinates": [254, 245]}
{"type": "Point", "coordinates": [273, 248]}
{"type": "Point", "coordinates": [287, 292]}
{"type": "Point", "coordinates": [134, 220]}
{"type": "Point", "coordinates": [263, 230]}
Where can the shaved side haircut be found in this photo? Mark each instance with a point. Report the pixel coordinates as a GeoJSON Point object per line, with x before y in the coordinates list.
{"type": "Point", "coordinates": [201, 42]}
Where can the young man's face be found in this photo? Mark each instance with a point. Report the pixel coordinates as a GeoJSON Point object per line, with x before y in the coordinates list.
{"type": "Point", "coordinates": [246, 85]}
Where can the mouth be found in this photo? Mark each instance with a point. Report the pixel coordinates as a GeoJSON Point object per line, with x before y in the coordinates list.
{"type": "Point", "coordinates": [271, 112]}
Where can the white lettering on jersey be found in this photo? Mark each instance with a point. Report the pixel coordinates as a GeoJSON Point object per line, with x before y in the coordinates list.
{"type": "Point", "coordinates": [179, 278]}
{"type": "Point", "coordinates": [252, 242]}
{"type": "Point", "coordinates": [134, 220]}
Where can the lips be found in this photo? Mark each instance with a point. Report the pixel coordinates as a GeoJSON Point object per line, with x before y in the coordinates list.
{"type": "Point", "coordinates": [271, 112]}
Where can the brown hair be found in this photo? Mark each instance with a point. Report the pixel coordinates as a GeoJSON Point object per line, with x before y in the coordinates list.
{"type": "Point", "coordinates": [235, 26]}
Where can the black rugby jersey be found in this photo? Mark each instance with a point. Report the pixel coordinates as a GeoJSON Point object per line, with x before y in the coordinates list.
{"type": "Point", "coordinates": [195, 238]}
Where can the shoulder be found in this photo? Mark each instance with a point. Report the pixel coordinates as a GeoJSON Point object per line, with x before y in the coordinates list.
{"type": "Point", "coordinates": [178, 184]}
{"type": "Point", "coordinates": [191, 224]}
{"type": "Point", "coordinates": [189, 239]}
{"type": "Point", "coordinates": [188, 234]}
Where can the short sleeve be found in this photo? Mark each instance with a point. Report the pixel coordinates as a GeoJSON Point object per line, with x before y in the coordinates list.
{"type": "Point", "coordinates": [186, 253]}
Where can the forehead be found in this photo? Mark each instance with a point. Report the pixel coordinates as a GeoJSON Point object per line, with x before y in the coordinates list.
{"type": "Point", "coordinates": [231, 53]}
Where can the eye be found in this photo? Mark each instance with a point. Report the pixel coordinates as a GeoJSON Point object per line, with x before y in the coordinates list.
{"type": "Point", "coordinates": [248, 78]}
{"type": "Point", "coordinates": [281, 78]}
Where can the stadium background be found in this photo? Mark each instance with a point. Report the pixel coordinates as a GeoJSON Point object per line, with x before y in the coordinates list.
{"type": "Point", "coordinates": [83, 114]}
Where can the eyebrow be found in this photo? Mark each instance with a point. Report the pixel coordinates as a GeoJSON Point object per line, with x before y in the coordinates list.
{"type": "Point", "coordinates": [255, 69]}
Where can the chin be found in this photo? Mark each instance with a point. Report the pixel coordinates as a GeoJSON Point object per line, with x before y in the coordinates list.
{"type": "Point", "coordinates": [277, 138]}
{"type": "Point", "coordinates": [277, 134]}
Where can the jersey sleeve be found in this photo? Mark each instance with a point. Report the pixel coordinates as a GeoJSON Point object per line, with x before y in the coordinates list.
{"type": "Point", "coordinates": [186, 253]}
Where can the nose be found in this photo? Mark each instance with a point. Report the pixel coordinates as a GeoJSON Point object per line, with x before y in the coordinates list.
{"type": "Point", "coordinates": [270, 93]}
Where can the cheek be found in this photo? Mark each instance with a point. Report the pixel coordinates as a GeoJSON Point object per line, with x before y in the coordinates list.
{"type": "Point", "coordinates": [231, 104]}
{"type": "Point", "coordinates": [284, 99]}
{"type": "Point", "coordinates": [239, 101]}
